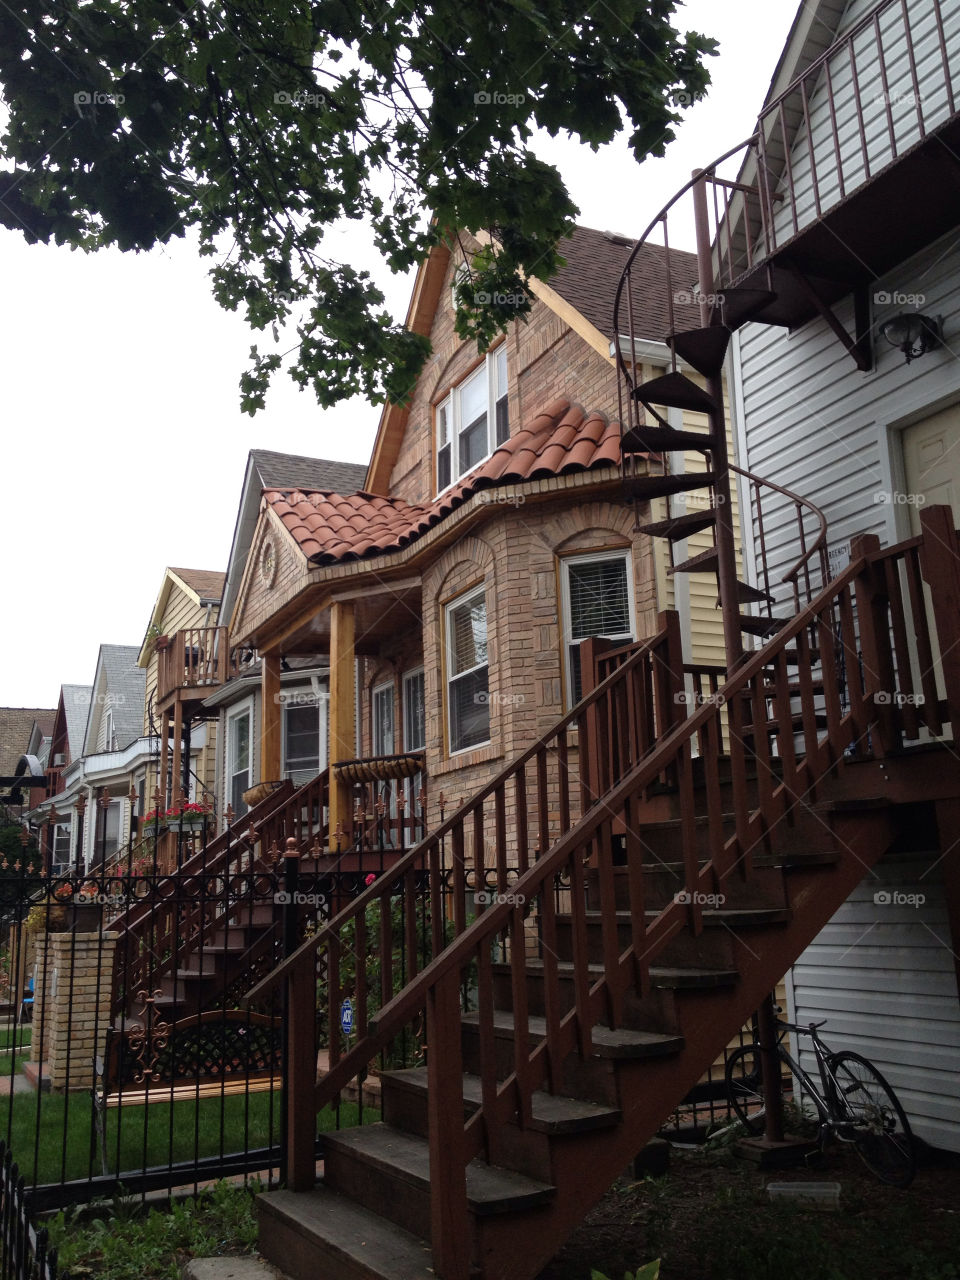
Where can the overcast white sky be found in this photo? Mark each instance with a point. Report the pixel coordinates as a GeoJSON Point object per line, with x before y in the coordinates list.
{"type": "Point", "coordinates": [123, 444]}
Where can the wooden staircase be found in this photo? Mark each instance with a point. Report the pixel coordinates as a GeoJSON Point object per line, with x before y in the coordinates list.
{"type": "Point", "coordinates": [645, 877]}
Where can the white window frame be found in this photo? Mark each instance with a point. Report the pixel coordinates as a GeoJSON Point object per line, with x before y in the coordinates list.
{"type": "Point", "coordinates": [412, 786]}
{"type": "Point", "coordinates": [109, 730]}
{"type": "Point", "coordinates": [449, 609]}
{"type": "Point", "coordinates": [233, 714]}
{"type": "Point", "coordinates": [448, 426]}
{"type": "Point", "coordinates": [387, 689]}
{"type": "Point", "coordinates": [566, 628]}
{"type": "Point", "coordinates": [298, 696]}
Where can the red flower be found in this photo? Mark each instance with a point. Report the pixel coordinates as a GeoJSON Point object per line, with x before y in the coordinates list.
{"type": "Point", "coordinates": [370, 879]}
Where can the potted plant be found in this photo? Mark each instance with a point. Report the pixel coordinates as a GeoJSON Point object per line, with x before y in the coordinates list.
{"type": "Point", "coordinates": [153, 823]}
{"type": "Point", "coordinates": [187, 816]}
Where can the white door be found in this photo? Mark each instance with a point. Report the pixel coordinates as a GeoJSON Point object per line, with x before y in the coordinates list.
{"type": "Point", "coordinates": [931, 457]}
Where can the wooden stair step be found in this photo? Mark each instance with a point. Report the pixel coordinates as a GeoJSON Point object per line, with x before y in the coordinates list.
{"type": "Point", "coordinates": [607, 1042]}
{"type": "Point", "coordinates": [643, 488]}
{"type": "Point", "coordinates": [705, 349]}
{"type": "Point", "coordinates": [761, 626]}
{"type": "Point", "coordinates": [551, 1113]}
{"type": "Point", "coordinates": [400, 1155]}
{"type": "Point", "coordinates": [676, 391]}
{"type": "Point", "coordinates": [657, 439]}
{"type": "Point", "coordinates": [676, 527]}
{"type": "Point", "coordinates": [740, 305]}
{"type": "Point", "coordinates": [747, 593]}
{"type": "Point", "coordinates": [794, 688]}
{"type": "Point", "coordinates": [705, 562]}
{"type": "Point", "coordinates": [667, 977]}
{"type": "Point", "coordinates": [320, 1234]}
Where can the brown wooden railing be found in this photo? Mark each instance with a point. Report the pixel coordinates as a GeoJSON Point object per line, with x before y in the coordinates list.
{"type": "Point", "coordinates": [875, 690]}
{"type": "Point", "coordinates": [810, 572]}
{"type": "Point", "coordinates": [198, 657]}
{"type": "Point", "coordinates": [154, 934]}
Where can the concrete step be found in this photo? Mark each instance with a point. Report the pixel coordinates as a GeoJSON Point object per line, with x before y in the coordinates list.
{"type": "Point", "coordinates": [319, 1235]}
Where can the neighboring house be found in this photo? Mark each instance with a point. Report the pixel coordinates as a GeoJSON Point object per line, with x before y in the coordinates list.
{"type": "Point", "coordinates": [846, 394]}
{"type": "Point", "coordinates": [24, 746]}
{"type": "Point", "coordinates": [183, 649]}
{"type": "Point", "coordinates": [98, 753]}
{"type": "Point", "coordinates": [492, 534]}
{"type": "Point", "coordinates": [304, 690]}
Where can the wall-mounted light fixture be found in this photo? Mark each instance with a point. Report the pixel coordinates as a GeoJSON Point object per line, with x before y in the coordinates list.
{"type": "Point", "coordinates": [912, 333]}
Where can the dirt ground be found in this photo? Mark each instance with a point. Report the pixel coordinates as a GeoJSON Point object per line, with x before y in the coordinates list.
{"type": "Point", "coordinates": [710, 1218]}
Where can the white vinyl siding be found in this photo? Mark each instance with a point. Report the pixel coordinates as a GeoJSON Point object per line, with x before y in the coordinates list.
{"type": "Point", "coordinates": [900, 95]}
{"type": "Point", "coordinates": [883, 975]}
{"type": "Point", "coordinates": [810, 420]}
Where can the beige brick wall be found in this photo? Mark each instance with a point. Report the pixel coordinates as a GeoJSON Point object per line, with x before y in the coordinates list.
{"type": "Point", "coordinates": [73, 988]}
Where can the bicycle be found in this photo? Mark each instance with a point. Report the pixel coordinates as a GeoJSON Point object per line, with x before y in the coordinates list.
{"type": "Point", "coordinates": [854, 1102]}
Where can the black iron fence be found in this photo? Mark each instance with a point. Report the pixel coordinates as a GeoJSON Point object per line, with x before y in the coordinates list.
{"type": "Point", "coordinates": [130, 1062]}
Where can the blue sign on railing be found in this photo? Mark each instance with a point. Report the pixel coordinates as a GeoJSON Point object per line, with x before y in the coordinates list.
{"type": "Point", "coordinates": [346, 1017]}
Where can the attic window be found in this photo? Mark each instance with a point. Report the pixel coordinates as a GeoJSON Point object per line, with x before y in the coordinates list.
{"type": "Point", "coordinates": [473, 420]}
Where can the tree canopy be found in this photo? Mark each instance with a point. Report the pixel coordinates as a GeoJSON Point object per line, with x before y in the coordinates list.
{"type": "Point", "coordinates": [258, 125]}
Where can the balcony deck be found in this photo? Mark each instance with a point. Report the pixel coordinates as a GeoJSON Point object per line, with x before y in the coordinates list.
{"type": "Point", "coordinates": [192, 665]}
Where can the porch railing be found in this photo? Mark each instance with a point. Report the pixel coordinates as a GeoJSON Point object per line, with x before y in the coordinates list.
{"type": "Point", "coordinates": [196, 658]}
{"type": "Point", "coordinates": [867, 633]}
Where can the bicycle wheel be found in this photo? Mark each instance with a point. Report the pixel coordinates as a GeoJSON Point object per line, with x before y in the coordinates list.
{"type": "Point", "coordinates": [879, 1128]}
{"type": "Point", "coordinates": [744, 1088]}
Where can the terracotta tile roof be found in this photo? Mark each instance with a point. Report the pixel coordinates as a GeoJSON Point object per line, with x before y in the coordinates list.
{"type": "Point", "coordinates": [331, 527]}
{"type": "Point", "coordinates": [594, 263]}
{"type": "Point", "coordinates": [207, 583]}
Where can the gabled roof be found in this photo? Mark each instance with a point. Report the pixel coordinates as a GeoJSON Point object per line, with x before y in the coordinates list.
{"type": "Point", "coordinates": [814, 30]}
{"type": "Point", "coordinates": [120, 684]}
{"type": "Point", "coordinates": [581, 293]}
{"type": "Point", "coordinates": [595, 261]}
{"type": "Point", "coordinates": [330, 527]}
{"type": "Point", "coordinates": [76, 708]}
{"type": "Point", "coordinates": [203, 586]}
{"type": "Point", "coordinates": [267, 469]}
{"type": "Point", "coordinates": [16, 727]}
{"type": "Point", "coordinates": [207, 584]}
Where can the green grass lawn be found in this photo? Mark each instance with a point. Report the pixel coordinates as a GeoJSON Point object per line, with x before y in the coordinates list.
{"type": "Point", "coordinates": [60, 1129]}
{"type": "Point", "coordinates": [15, 1035]}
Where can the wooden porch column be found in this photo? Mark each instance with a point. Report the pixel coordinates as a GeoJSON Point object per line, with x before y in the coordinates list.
{"type": "Point", "coordinates": [342, 711]}
{"type": "Point", "coordinates": [271, 719]}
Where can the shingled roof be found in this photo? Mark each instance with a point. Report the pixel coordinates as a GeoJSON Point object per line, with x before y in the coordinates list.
{"type": "Point", "coordinates": [330, 527]}
{"type": "Point", "coordinates": [594, 264]}
{"type": "Point", "coordinates": [16, 725]}
{"type": "Point", "coordinates": [293, 471]}
{"type": "Point", "coordinates": [207, 583]}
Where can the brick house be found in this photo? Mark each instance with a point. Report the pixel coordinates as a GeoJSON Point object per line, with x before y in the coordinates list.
{"type": "Point", "coordinates": [491, 535]}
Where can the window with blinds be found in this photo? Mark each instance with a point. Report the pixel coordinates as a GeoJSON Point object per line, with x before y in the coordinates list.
{"type": "Point", "coordinates": [467, 673]}
{"type": "Point", "coordinates": [597, 601]}
{"type": "Point", "coordinates": [473, 420]}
